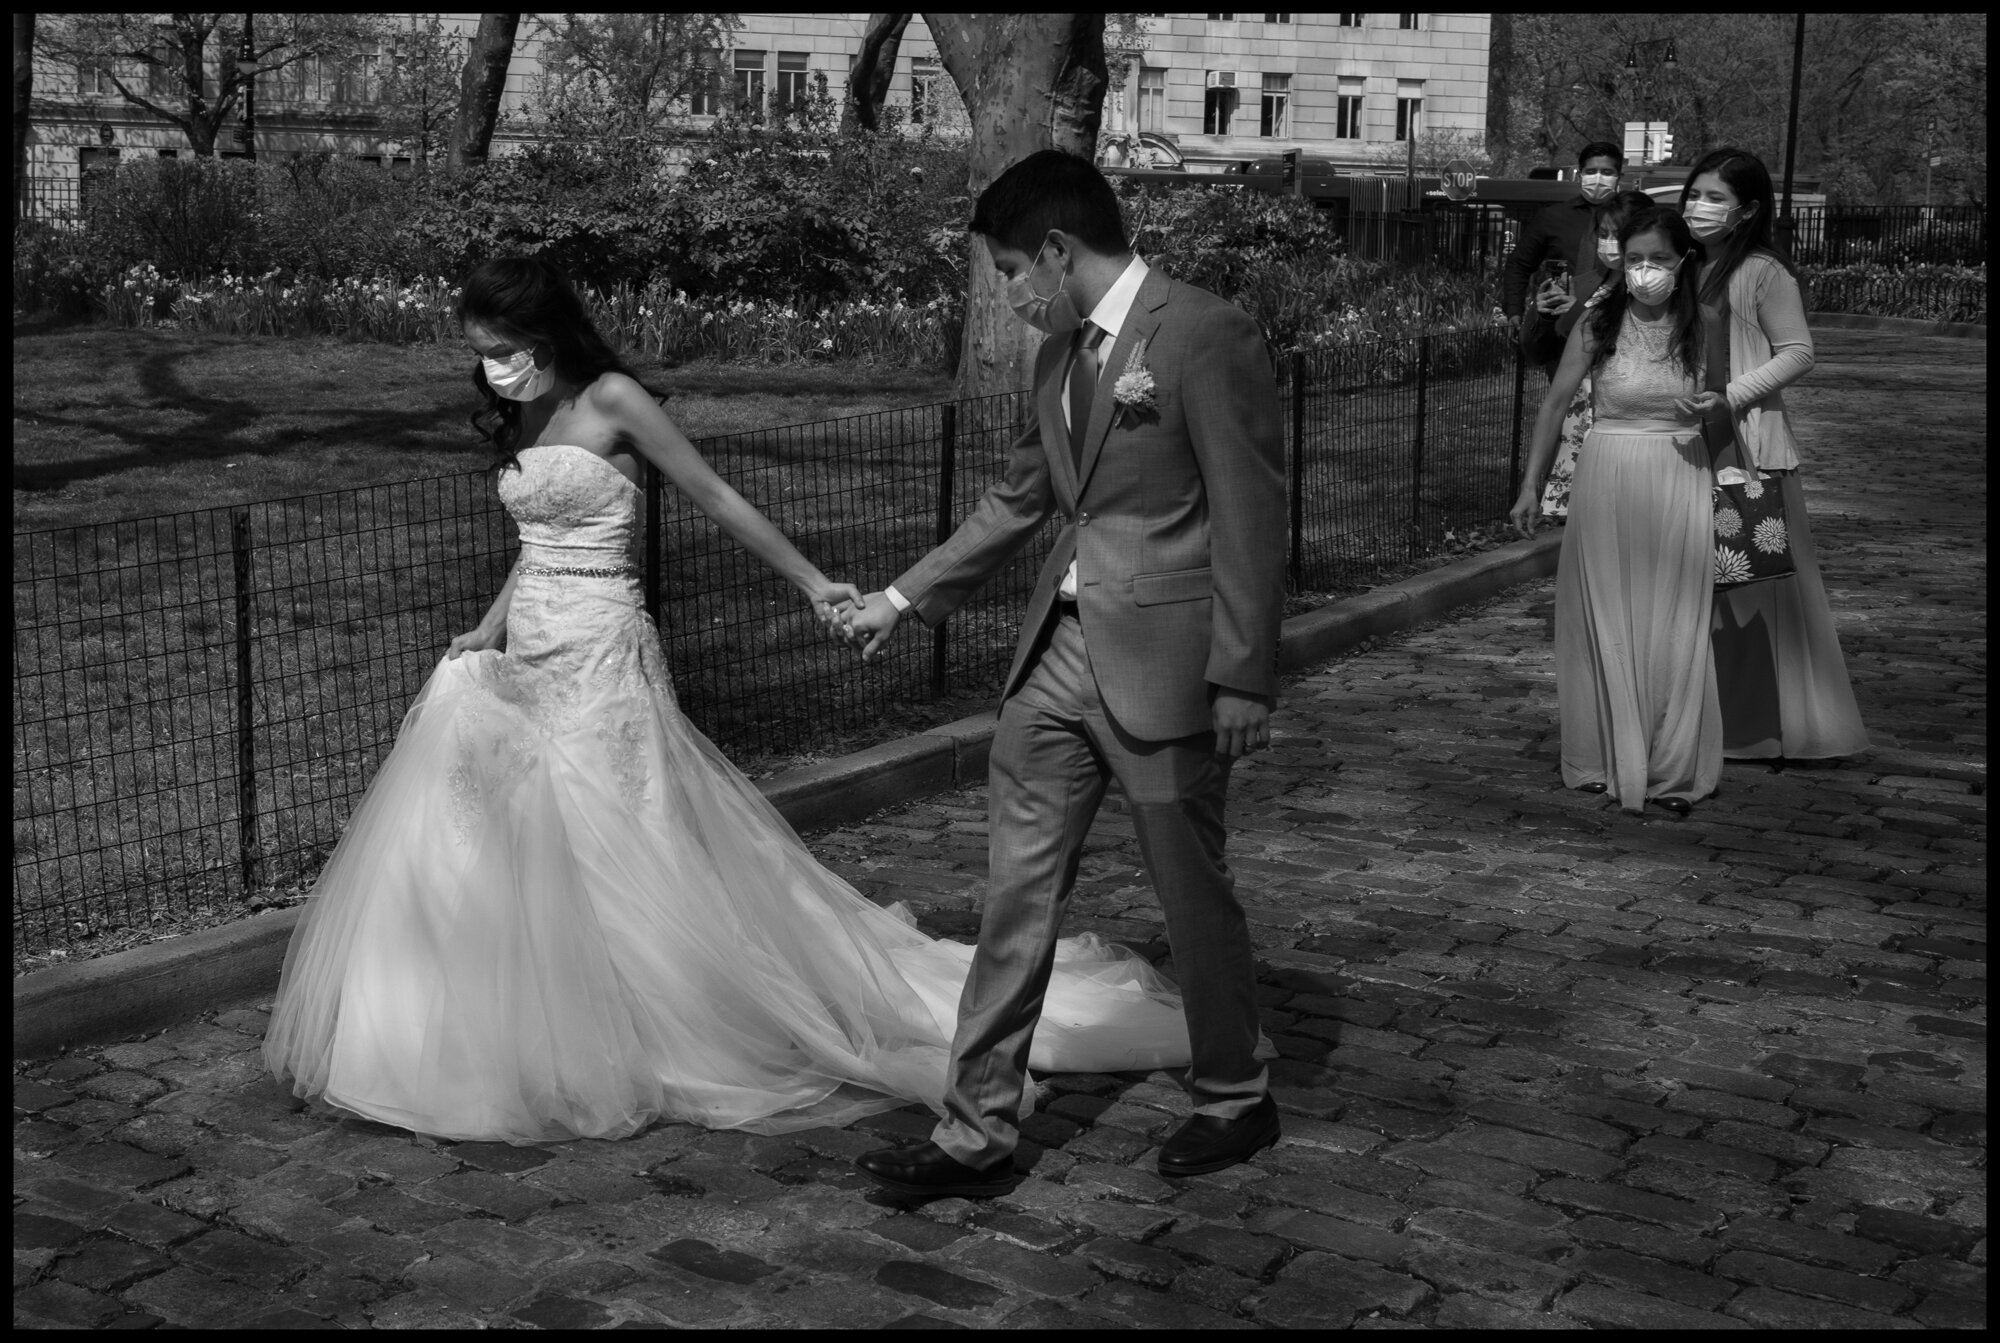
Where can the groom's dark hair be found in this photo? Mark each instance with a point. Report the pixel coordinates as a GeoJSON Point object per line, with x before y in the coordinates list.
{"type": "Point", "coordinates": [1051, 190]}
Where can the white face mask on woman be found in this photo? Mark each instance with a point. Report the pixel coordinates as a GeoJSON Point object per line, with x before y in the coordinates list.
{"type": "Point", "coordinates": [1610, 253]}
{"type": "Point", "coordinates": [1707, 219]}
{"type": "Point", "coordinates": [517, 378]}
{"type": "Point", "coordinates": [1650, 282]}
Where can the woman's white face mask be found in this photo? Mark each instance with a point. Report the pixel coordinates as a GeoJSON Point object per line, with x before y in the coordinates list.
{"type": "Point", "coordinates": [516, 377]}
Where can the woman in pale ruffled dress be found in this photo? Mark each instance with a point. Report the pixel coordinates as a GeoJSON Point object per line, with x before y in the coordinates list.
{"type": "Point", "coordinates": [1778, 665]}
{"type": "Point", "coordinates": [1635, 681]}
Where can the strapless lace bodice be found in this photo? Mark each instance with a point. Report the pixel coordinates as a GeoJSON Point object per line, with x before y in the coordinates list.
{"type": "Point", "coordinates": [575, 509]}
{"type": "Point", "coordinates": [1641, 378]}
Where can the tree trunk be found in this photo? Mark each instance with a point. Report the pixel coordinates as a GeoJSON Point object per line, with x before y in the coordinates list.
{"type": "Point", "coordinates": [24, 84]}
{"type": "Point", "coordinates": [1030, 82]}
{"type": "Point", "coordinates": [874, 66]}
{"type": "Point", "coordinates": [479, 91]}
{"type": "Point", "coordinates": [194, 73]}
{"type": "Point", "coordinates": [1500, 94]}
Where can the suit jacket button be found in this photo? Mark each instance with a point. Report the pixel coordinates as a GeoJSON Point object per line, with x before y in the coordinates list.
{"type": "Point", "coordinates": [1083, 519]}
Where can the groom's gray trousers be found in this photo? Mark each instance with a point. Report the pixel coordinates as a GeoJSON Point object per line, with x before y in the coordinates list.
{"type": "Point", "coordinates": [1055, 750]}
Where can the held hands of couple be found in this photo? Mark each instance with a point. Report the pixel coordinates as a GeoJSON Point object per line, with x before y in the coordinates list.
{"type": "Point", "coordinates": [829, 599]}
{"type": "Point", "coordinates": [866, 624]}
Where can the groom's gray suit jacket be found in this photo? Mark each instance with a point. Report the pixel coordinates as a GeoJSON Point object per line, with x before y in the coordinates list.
{"type": "Point", "coordinates": [1176, 520]}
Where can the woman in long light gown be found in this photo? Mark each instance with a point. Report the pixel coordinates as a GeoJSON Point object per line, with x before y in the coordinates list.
{"type": "Point", "coordinates": [1605, 221]}
{"type": "Point", "coordinates": [1784, 683]}
{"type": "Point", "coordinates": [1635, 680]}
{"type": "Point", "coordinates": [558, 911]}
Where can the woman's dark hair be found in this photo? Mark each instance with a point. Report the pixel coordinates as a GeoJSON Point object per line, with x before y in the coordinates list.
{"type": "Point", "coordinates": [1051, 190]}
{"type": "Point", "coordinates": [1744, 174]}
{"type": "Point", "coordinates": [1601, 149]}
{"type": "Point", "coordinates": [525, 297]}
{"type": "Point", "coordinates": [1616, 209]}
{"type": "Point", "coordinates": [1609, 316]}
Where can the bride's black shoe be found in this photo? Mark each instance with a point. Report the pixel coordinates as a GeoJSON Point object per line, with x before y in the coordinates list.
{"type": "Point", "coordinates": [1679, 806]}
{"type": "Point", "coordinates": [927, 1171]}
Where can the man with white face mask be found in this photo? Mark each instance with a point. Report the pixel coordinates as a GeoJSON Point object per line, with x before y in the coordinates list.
{"type": "Point", "coordinates": [1148, 657]}
{"type": "Point", "coordinates": [1561, 232]}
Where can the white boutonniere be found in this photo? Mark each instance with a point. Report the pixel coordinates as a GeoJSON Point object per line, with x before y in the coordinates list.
{"type": "Point", "coordinates": [1133, 392]}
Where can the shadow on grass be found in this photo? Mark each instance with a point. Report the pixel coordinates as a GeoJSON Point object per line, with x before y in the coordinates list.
{"type": "Point", "coordinates": [222, 426]}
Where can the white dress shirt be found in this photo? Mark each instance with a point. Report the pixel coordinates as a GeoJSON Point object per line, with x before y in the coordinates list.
{"type": "Point", "coordinates": [1109, 316]}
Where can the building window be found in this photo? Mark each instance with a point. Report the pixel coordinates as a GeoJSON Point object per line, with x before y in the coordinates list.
{"type": "Point", "coordinates": [1409, 114]}
{"type": "Point", "coordinates": [1277, 18]}
{"type": "Point", "coordinates": [1220, 103]}
{"type": "Point", "coordinates": [1152, 100]}
{"type": "Point", "coordinates": [1347, 110]}
{"type": "Point", "coordinates": [792, 76]}
{"type": "Point", "coordinates": [169, 153]}
{"type": "Point", "coordinates": [750, 82]}
{"type": "Point", "coordinates": [1277, 93]}
{"type": "Point", "coordinates": [1222, 17]}
{"type": "Point", "coordinates": [1350, 20]}
{"type": "Point", "coordinates": [322, 79]}
{"type": "Point", "coordinates": [1409, 21]}
{"type": "Point", "coordinates": [924, 76]}
{"type": "Point", "coordinates": [705, 93]}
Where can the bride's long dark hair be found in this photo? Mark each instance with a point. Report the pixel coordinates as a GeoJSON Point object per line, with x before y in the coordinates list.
{"type": "Point", "coordinates": [527, 298]}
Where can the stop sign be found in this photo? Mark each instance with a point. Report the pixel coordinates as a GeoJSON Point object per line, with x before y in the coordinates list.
{"type": "Point", "coordinates": [1459, 179]}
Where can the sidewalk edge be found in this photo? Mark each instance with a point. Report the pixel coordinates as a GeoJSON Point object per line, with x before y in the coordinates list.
{"type": "Point", "coordinates": [151, 987]}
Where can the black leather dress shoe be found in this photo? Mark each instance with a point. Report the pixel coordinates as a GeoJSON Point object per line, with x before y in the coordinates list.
{"type": "Point", "coordinates": [1591, 787]}
{"type": "Point", "coordinates": [1204, 1144]}
{"type": "Point", "coordinates": [926, 1171]}
{"type": "Point", "coordinates": [1679, 806]}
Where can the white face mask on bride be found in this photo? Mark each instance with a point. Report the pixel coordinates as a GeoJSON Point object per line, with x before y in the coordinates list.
{"type": "Point", "coordinates": [516, 376]}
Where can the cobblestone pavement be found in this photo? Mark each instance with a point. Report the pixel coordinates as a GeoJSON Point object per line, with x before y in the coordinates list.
{"type": "Point", "coordinates": [1543, 1064]}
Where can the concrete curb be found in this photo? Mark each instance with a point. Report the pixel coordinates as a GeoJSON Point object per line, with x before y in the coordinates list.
{"type": "Point", "coordinates": [1909, 326]}
{"type": "Point", "coordinates": [150, 988]}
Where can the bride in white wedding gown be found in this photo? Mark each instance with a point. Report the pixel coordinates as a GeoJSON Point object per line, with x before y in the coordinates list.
{"type": "Point", "coordinates": [558, 911]}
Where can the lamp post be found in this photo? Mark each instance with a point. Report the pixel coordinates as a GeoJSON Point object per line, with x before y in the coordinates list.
{"type": "Point", "coordinates": [1786, 224]}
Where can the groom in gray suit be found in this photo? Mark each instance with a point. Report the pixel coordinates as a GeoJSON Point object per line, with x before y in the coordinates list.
{"type": "Point", "coordinates": [1148, 655]}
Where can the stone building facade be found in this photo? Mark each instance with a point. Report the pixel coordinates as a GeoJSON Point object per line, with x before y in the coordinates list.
{"type": "Point", "coordinates": [1202, 91]}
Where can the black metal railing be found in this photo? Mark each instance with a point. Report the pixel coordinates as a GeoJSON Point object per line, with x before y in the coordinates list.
{"type": "Point", "coordinates": [200, 699]}
{"type": "Point", "coordinates": [1835, 235]}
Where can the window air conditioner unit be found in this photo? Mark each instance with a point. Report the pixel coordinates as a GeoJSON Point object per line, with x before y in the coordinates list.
{"type": "Point", "coordinates": [1222, 79]}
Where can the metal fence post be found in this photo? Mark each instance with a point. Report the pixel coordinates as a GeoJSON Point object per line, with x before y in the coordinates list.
{"type": "Point", "coordinates": [947, 471]}
{"type": "Point", "coordinates": [654, 486]}
{"type": "Point", "coordinates": [1417, 451]}
{"type": "Point", "coordinates": [246, 740]}
{"type": "Point", "coordinates": [1520, 391]}
{"type": "Point", "coordinates": [1297, 565]}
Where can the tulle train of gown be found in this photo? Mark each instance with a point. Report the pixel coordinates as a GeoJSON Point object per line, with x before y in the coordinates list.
{"type": "Point", "coordinates": [1635, 678]}
{"type": "Point", "coordinates": [1778, 664]}
{"type": "Point", "coordinates": [560, 912]}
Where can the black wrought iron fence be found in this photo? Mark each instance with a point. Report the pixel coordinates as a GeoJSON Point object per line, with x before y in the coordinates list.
{"type": "Point", "coordinates": [1920, 293]}
{"type": "Point", "coordinates": [200, 699]}
{"type": "Point", "coordinates": [1889, 234]}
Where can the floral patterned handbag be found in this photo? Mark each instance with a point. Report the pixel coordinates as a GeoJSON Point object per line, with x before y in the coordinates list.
{"type": "Point", "coordinates": [1751, 542]}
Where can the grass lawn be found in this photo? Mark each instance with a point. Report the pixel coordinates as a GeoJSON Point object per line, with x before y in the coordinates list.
{"type": "Point", "coordinates": [113, 423]}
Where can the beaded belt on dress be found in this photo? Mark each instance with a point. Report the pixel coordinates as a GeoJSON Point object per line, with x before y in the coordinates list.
{"type": "Point", "coordinates": [551, 571]}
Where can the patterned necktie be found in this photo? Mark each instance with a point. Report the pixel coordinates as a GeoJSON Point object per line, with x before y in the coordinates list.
{"type": "Point", "coordinates": [1082, 390]}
